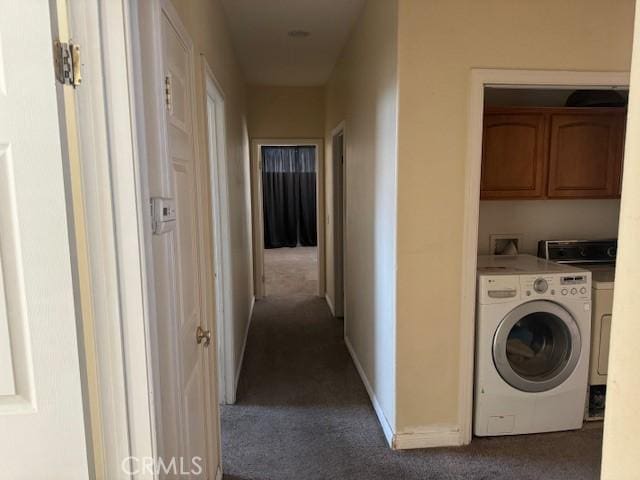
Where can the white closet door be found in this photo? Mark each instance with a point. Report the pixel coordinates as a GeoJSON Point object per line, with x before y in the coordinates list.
{"type": "Point", "coordinates": [41, 413]}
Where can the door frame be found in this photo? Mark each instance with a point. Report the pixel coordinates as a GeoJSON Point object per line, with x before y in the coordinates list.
{"type": "Point", "coordinates": [337, 231]}
{"type": "Point", "coordinates": [107, 120]}
{"type": "Point", "coordinates": [257, 216]}
{"type": "Point", "coordinates": [220, 236]}
{"type": "Point", "coordinates": [479, 79]}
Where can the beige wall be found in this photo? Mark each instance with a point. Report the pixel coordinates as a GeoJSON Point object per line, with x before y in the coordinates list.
{"type": "Point", "coordinates": [621, 440]}
{"type": "Point", "coordinates": [206, 23]}
{"type": "Point", "coordinates": [362, 91]}
{"type": "Point", "coordinates": [547, 220]}
{"type": "Point", "coordinates": [286, 112]}
{"type": "Point", "coordinates": [439, 42]}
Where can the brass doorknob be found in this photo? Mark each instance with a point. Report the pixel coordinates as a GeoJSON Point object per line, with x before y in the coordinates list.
{"type": "Point", "coordinates": [203, 336]}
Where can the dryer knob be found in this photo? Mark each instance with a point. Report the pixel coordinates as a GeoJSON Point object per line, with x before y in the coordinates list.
{"type": "Point", "coordinates": [540, 285]}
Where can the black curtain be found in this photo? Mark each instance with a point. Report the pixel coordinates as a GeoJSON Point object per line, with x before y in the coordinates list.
{"type": "Point", "coordinates": [289, 196]}
{"type": "Point", "coordinates": [307, 190]}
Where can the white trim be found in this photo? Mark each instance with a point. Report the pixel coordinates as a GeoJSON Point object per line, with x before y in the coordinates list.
{"type": "Point", "coordinates": [256, 208]}
{"type": "Point", "coordinates": [147, 38]}
{"type": "Point", "coordinates": [478, 80]}
{"type": "Point", "coordinates": [244, 346]}
{"type": "Point", "coordinates": [107, 129]}
{"type": "Point", "coordinates": [330, 303]}
{"type": "Point", "coordinates": [338, 128]}
{"type": "Point", "coordinates": [220, 236]}
{"type": "Point", "coordinates": [387, 429]}
{"type": "Point", "coordinates": [131, 249]}
{"type": "Point", "coordinates": [448, 436]}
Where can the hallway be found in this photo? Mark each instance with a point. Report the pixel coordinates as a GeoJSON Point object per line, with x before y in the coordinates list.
{"type": "Point", "coordinates": [303, 413]}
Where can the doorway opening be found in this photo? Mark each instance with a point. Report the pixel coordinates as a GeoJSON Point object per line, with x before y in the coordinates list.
{"type": "Point", "coordinates": [220, 234]}
{"type": "Point", "coordinates": [544, 119]}
{"type": "Point", "coordinates": [290, 224]}
{"type": "Point", "coordinates": [288, 208]}
{"type": "Point", "coordinates": [339, 216]}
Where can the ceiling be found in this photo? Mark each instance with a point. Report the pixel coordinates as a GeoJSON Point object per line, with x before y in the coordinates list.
{"type": "Point", "coordinates": [269, 56]}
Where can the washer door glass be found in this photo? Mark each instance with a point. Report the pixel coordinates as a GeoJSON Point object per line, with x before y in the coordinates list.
{"type": "Point", "coordinates": [537, 346]}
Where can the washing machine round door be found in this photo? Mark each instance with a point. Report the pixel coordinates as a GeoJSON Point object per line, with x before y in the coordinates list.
{"type": "Point", "coordinates": [536, 347]}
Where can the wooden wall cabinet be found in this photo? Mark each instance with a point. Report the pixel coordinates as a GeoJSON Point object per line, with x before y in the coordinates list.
{"type": "Point", "coordinates": [585, 155]}
{"type": "Point", "coordinates": [514, 154]}
{"type": "Point", "coordinates": [534, 153]}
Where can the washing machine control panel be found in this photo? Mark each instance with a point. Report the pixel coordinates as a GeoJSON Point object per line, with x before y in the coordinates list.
{"type": "Point", "coordinates": [555, 286]}
{"type": "Point", "coordinates": [550, 286]}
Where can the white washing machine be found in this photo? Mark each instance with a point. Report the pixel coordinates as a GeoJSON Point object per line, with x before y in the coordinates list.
{"type": "Point", "coordinates": [532, 345]}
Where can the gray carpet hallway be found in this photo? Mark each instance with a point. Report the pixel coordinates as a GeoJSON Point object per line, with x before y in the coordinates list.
{"type": "Point", "coordinates": [289, 271]}
{"type": "Point", "coordinates": [303, 413]}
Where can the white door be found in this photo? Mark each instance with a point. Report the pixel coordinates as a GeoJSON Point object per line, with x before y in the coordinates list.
{"type": "Point", "coordinates": [41, 412]}
{"type": "Point", "coordinates": [186, 419]}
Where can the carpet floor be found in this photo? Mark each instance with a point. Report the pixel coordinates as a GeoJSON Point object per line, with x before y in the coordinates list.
{"type": "Point", "coordinates": [289, 271]}
{"type": "Point", "coordinates": [303, 413]}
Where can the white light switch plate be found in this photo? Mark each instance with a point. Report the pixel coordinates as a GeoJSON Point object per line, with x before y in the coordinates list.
{"type": "Point", "coordinates": [163, 214]}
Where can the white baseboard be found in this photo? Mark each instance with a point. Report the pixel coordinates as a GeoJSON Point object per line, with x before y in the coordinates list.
{"type": "Point", "coordinates": [449, 436]}
{"type": "Point", "coordinates": [330, 303]}
{"type": "Point", "coordinates": [445, 436]}
{"type": "Point", "coordinates": [244, 346]}
{"type": "Point", "coordinates": [384, 423]}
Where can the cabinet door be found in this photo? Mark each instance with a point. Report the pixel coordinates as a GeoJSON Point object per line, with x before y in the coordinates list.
{"type": "Point", "coordinates": [513, 155]}
{"type": "Point", "coordinates": [585, 157]}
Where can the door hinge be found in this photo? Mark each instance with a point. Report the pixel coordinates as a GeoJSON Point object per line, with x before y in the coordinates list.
{"type": "Point", "coordinates": [167, 93]}
{"type": "Point", "coordinates": [67, 63]}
